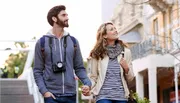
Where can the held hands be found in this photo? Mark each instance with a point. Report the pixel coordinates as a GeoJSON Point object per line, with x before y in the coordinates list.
{"type": "Point", "coordinates": [49, 94]}
{"type": "Point", "coordinates": [85, 90]}
{"type": "Point", "coordinates": [124, 65]}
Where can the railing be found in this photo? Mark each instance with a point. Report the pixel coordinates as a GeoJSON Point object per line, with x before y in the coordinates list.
{"type": "Point", "coordinates": [33, 89]}
{"type": "Point", "coordinates": [161, 5]}
{"type": "Point", "coordinates": [144, 49]}
{"type": "Point", "coordinates": [28, 75]}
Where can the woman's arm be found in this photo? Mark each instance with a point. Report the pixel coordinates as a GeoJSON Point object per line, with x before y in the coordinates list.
{"type": "Point", "coordinates": [93, 74]}
{"type": "Point", "coordinates": [128, 58]}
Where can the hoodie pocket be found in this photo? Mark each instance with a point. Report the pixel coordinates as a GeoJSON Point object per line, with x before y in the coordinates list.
{"type": "Point", "coordinates": [52, 80]}
{"type": "Point", "coordinates": [70, 79]}
{"type": "Point", "coordinates": [48, 74]}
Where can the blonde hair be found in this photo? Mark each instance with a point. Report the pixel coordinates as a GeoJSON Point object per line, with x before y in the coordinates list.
{"type": "Point", "coordinates": [99, 50]}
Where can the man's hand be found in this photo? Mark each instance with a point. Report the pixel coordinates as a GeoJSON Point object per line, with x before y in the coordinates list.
{"type": "Point", "coordinates": [124, 65]}
{"type": "Point", "coordinates": [49, 94]}
{"type": "Point", "coordinates": [85, 90]}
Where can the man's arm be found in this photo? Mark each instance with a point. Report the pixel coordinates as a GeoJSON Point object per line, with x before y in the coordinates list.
{"type": "Point", "coordinates": [38, 69]}
{"type": "Point", "coordinates": [79, 68]}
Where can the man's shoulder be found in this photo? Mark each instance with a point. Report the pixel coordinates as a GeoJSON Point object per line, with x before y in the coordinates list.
{"type": "Point", "coordinates": [74, 40]}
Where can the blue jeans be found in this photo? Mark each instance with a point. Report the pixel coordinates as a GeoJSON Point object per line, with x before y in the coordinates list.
{"type": "Point", "coordinates": [110, 101]}
{"type": "Point", "coordinates": [62, 99]}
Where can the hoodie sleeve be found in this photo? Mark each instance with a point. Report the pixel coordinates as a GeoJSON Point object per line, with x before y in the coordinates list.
{"type": "Point", "coordinates": [79, 68]}
{"type": "Point", "coordinates": [38, 68]}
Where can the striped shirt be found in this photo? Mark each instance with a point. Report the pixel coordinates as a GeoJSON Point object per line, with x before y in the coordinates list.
{"type": "Point", "coordinates": [112, 87]}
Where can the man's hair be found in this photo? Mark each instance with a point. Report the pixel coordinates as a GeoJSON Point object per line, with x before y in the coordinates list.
{"type": "Point", "coordinates": [53, 12]}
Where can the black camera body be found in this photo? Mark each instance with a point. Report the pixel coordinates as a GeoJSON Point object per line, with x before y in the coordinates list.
{"type": "Point", "coordinates": [58, 67]}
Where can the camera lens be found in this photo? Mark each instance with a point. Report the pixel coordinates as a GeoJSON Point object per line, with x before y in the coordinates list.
{"type": "Point", "coordinates": [59, 65]}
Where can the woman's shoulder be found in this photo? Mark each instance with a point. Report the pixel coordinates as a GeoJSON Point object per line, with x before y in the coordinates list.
{"type": "Point", "coordinates": [90, 58]}
{"type": "Point", "coordinates": [127, 49]}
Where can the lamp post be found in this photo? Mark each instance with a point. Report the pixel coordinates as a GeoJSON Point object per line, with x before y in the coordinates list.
{"type": "Point", "coordinates": [176, 69]}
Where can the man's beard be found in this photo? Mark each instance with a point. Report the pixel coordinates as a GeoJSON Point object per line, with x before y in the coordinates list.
{"type": "Point", "coordinates": [62, 23]}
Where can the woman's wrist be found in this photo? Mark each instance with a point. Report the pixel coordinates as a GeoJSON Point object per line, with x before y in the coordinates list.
{"type": "Point", "coordinates": [126, 70]}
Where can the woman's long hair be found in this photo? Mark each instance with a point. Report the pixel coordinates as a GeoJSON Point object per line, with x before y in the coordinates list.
{"type": "Point", "coordinates": [99, 50]}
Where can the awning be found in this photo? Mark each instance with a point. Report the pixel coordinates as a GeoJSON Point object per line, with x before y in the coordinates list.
{"type": "Point", "coordinates": [131, 37]}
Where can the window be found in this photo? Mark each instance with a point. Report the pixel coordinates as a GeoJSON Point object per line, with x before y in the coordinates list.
{"type": "Point", "coordinates": [176, 38]}
{"type": "Point", "coordinates": [156, 35]}
{"type": "Point", "coordinates": [165, 31]}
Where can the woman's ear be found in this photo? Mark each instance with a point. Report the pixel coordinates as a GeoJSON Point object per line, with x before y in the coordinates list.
{"type": "Point", "coordinates": [105, 36]}
{"type": "Point", "coordinates": [54, 19]}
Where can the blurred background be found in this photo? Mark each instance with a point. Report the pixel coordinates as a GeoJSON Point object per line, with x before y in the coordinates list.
{"type": "Point", "coordinates": [151, 28]}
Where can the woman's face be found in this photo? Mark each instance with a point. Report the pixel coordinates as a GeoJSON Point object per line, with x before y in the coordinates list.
{"type": "Point", "coordinates": [111, 32]}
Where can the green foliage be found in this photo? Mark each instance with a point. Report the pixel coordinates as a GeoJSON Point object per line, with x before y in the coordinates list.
{"type": "Point", "coordinates": [18, 61]}
{"type": "Point", "coordinates": [140, 100]}
{"type": "Point", "coordinates": [15, 62]}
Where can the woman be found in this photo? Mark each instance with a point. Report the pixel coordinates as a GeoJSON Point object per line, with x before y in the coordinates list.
{"type": "Point", "coordinates": [110, 66]}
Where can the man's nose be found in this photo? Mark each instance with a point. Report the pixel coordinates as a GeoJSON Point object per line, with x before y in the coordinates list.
{"type": "Point", "coordinates": [67, 18]}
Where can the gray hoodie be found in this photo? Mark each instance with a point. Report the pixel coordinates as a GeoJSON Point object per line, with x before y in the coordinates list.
{"type": "Point", "coordinates": [58, 83]}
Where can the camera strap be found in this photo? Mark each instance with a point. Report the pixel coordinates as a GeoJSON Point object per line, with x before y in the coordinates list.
{"type": "Point", "coordinates": [64, 45]}
{"type": "Point", "coordinates": [50, 45]}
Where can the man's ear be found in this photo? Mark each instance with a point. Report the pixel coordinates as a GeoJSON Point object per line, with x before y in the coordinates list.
{"type": "Point", "coordinates": [54, 19]}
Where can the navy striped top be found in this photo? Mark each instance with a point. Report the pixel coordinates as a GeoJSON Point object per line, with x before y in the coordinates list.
{"type": "Point", "coordinates": [112, 87]}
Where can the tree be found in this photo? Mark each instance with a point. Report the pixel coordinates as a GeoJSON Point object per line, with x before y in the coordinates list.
{"type": "Point", "coordinates": [16, 61]}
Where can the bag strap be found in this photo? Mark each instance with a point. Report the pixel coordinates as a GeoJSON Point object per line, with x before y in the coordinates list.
{"type": "Point", "coordinates": [75, 43]}
{"type": "Point", "coordinates": [42, 42]}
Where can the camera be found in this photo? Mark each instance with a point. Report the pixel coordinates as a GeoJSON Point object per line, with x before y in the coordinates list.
{"type": "Point", "coordinates": [58, 67]}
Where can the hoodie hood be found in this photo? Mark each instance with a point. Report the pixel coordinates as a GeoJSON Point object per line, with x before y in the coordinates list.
{"type": "Point", "coordinates": [50, 33]}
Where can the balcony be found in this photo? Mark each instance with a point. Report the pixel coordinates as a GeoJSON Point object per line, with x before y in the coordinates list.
{"type": "Point", "coordinates": [161, 5]}
{"type": "Point", "coordinates": [144, 49]}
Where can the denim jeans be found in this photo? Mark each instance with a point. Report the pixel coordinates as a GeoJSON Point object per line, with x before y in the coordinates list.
{"type": "Point", "coordinates": [62, 99]}
{"type": "Point", "coordinates": [110, 101]}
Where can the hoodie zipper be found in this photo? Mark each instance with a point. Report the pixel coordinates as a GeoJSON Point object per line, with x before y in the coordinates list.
{"type": "Point", "coordinates": [60, 46]}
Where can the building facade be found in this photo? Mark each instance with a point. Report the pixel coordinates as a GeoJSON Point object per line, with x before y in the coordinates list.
{"type": "Point", "coordinates": [107, 8]}
{"type": "Point", "coordinates": [151, 28]}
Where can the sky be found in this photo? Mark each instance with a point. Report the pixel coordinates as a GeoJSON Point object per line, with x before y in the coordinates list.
{"type": "Point", "coordinates": [25, 19]}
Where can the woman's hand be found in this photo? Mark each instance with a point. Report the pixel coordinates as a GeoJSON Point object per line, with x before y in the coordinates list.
{"type": "Point", "coordinates": [85, 90]}
{"type": "Point", "coordinates": [124, 65]}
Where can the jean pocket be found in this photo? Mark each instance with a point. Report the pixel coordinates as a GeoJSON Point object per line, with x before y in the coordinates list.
{"type": "Point", "coordinates": [48, 100]}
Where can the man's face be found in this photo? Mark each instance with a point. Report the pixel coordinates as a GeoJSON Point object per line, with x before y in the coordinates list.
{"type": "Point", "coordinates": [62, 19]}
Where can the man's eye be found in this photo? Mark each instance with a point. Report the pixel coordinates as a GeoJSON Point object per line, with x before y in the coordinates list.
{"type": "Point", "coordinates": [63, 14]}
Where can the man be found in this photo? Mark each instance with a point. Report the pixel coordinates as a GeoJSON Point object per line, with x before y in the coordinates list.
{"type": "Point", "coordinates": [55, 64]}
